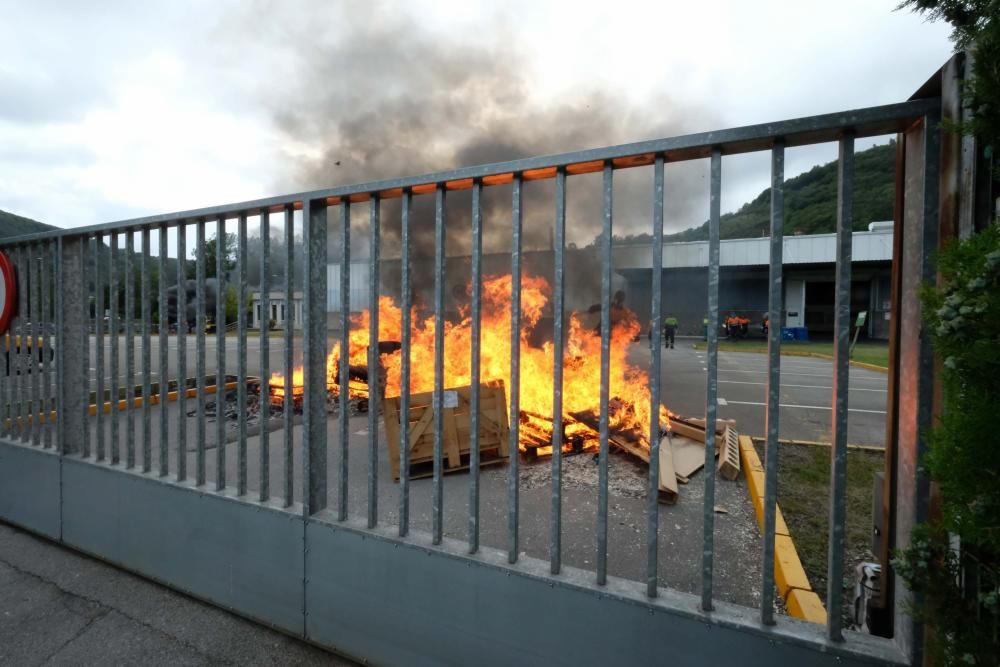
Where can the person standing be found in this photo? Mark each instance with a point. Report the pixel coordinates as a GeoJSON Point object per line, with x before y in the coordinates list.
{"type": "Point", "coordinates": [669, 330]}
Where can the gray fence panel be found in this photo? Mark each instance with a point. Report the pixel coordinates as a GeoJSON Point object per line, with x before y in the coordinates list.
{"type": "Point", "coordinates": [405, 604]}
{"type": "Point", "coordinates": [29, 488]}
{"type": "Point", "coordinates": [243, 557]}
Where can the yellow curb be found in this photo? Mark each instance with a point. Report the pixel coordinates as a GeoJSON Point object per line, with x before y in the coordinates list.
{"type": "Point", "coordinates": [789, 575]}
{"type": "Point", "coordinates": [788, 571]}
{"type": "Point", "coordinates": [109, 406]}
{"type": "Point", "coordinates": [806, 605]}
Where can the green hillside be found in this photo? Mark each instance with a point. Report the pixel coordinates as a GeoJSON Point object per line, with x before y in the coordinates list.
{"type": "Point", "coordinates": [810, 201]}
{"type": "Point", "coordinates": [15, 225]}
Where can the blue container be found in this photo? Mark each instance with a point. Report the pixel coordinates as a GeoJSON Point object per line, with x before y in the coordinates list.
{"type": "Point", "coordinates": [801, 333]}
{"type": "Point", "coordinates": [787, 333]}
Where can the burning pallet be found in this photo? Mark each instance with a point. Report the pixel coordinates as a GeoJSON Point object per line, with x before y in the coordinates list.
{"type": "Point", "coordinates": [456, 429]}
{"type": "Point", "coordinates": [358, 388]}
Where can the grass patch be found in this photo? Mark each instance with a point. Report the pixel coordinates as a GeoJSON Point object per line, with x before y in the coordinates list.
{"type": "Point", "coordinates": [876, 354]}
{"type": "Point", "coordinates": [803, 491]}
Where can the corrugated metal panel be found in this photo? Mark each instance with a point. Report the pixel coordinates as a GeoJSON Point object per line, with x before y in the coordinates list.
{"type": "Point", "coordinates": [806, 249]}
{"type": "Point", "coordinates": [358, 285]}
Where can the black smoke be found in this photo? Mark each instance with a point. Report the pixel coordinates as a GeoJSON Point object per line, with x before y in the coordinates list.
{"type": "Point", "coordinates": [367, 94]}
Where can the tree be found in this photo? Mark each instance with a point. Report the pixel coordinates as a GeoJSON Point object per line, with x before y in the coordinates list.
{"type": "Point", "coordinates": [976, 25]}
{"type": "Point", "coordinates": [211, 254]}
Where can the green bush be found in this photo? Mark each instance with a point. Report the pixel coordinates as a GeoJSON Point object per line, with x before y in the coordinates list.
{"type": "Point", "coordinates": [963, 458]}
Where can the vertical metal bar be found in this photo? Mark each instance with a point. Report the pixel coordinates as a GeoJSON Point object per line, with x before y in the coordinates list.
{"type": "Point", "coordinates": [474, 398]}
{"type": "Point", "coordinates": [775, 310]}
{"type": "Point", "coordinates": [24, 355]}
{"type": "Point", "coordinates": [265, 353]}
{"type": "Point", "coordinates": [241, 357]}
{"type": "Point", "coordinates": [70, 290]}
{"type": "Point", "coordinates": [60, 322]}
{"type": "Point", "coordinates": [48, 327]}
{"type": "Point", "coordinates": [404, 368]}
{"type": "Point", "coordinates": [289, 380]}
{"type": "Point", "coordinates": [37, 353]}
{"type": "Point", "coordinates": [711, 402]}
{"type": "Point", "coordinates": [314, 357]}
{"type": "Point", "coordinates": [437, 495]}
{"type": "Point", "coordinates": [653, 505]}
{"type": "Point", "coordinates": [182, 325]}
{"type": "Point", "coordinates": [129, 349]}
{"type": "Point", "coordinates": [164, 379]}
{"type": "Point", "coordinates": [14, 356]}
{"type": "Point", "coordinates": [220, 355]}
{"type": "Point", "coordinates": [115, 349]}
{"type": "Point", "coordinates": [345, 352]}
{"type": "Point", "coordinates": [513, 474]}
{"type": "Point", "coordinates": [83, 362]}
{"type": "Point", "coordinates": [373, 359]}
{"type": "Point", "coordinates": [602, 470]}
{"type": "Point", "coordinates": [14, 351]}
{"type": "Point", "coordinates": [147, 360]}
{"type": "Point", "coordinates": [841, 337]}
{"type": "Point", "coordinates": [200, 306]}
{"type": "Point", "coordinates": [558, 353]}
{"type": "Point", "coordinates": [98, 344]}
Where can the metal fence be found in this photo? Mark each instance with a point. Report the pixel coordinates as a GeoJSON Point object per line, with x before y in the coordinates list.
{"type": "Point", "coordinates": [47, 408]}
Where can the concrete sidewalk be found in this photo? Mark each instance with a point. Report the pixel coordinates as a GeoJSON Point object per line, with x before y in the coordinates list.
{"type": "Point", "coordinates": [59, 607]}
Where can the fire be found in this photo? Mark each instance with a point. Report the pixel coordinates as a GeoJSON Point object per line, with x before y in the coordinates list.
{"type": "Point", "coordinates": [629, 390]}
{"type": "Point", "coordinates": [277, 384]}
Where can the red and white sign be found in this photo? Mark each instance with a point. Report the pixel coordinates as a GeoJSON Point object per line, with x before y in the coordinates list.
{"type": "Point", "coordinates": [8, 292]}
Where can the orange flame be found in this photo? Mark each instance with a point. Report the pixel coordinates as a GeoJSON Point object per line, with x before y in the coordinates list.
{"type": "Point", "coordinates": [581, 366]}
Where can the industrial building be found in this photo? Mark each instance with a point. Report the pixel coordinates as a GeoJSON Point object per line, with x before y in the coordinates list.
{"type": "Point", "coordinates": [809, 261]}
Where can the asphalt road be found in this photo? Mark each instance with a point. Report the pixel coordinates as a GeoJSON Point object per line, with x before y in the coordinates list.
{"type": "Point", "coordinates": [60, 607]}
{"type": "Point", "coordinates": [806, 384]}
{"type": "Point", "coordinates": [806, 392]}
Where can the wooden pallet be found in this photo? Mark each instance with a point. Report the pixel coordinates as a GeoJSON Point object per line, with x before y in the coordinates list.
{"type": "Point", "coordinates": [729, 455]}
{"type": "Point", "coordinates": [494, 429]}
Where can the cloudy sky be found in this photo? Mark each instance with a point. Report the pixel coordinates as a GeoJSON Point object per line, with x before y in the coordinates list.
{"type": "Point", "coordinates": [117, 109]}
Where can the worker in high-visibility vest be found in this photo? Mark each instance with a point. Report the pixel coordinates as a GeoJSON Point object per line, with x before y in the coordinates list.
{"type": "Point", "coordinates": [669, 329]}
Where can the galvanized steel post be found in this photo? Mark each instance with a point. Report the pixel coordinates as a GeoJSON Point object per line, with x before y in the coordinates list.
{"type": "Point", "coordinates": [841, 364]}
{"type": "Point", "coordinates": [558, 353]}
{"type": "Point", "coordinates": [437, 490]}
{"type": "Point", "coordinates": [474, 397]}
{"type": "Point", "coordinates": [603, 433]}
{"type": "Point", "coordinates": [404, 368]}
{"type": "Point", "coordinates": [343, 397]}
{"type": "Point", "coordinates": [774, 318]}
{"type": "Point", "coordinates": [652, 501]}
{"type": "Point", "coordinates": [711, 404]}
{"type": "Point", "coordinates": [314, 357]}
{"type": "Point", "coordinates": [373, 359]}
{"type": "Point", "coordinates": [72, 336]}
{"type": "Point", "coordinates": [264, 481]}
{"type": "Point", "coordinates": [513, 475]}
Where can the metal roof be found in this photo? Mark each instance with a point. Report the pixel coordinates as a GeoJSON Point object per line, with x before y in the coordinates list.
{"type": "Point", "coordinates": [873, 246]}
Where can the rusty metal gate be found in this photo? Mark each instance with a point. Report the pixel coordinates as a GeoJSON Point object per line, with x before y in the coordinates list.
{"type": "Point", "coordinates": [72, 469]}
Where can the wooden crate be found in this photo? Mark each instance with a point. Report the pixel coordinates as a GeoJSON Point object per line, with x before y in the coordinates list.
{"type": "Point", "coordinates": [456, 429]}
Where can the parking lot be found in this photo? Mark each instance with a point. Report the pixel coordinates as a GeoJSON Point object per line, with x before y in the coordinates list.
{"type": "Point", "coordinates": [805, 415]}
